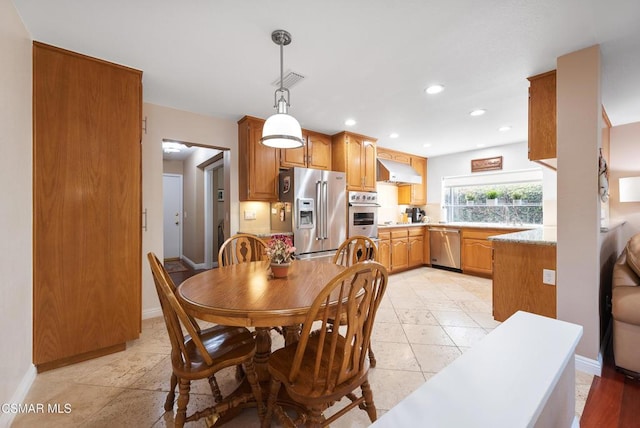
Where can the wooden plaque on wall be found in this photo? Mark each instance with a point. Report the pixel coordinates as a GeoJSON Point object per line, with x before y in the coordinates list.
{"type": "Point", "coordinates": [486, 164]}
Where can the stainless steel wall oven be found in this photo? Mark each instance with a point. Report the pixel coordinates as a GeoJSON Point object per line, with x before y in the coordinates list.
{"type": "Point", "coordinates": [363, 214]}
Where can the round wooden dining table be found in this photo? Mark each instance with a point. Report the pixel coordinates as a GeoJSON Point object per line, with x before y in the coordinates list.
{"type": "Point", "coordinates": [248, 295]}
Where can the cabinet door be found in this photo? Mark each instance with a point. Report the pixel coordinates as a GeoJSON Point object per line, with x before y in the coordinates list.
{"type": "Point", "coordinates": [419, 191]}
{"type": "Point", "coordinates": [399, 254]}
{"type": "Point", "coordinates": [384, 254]}
{"type": "Point", "coordinates": [319, 151]}
{"type": "Point", "coordinates": [542, 116]}
{"type": "Point", "coordinates": [368, 166]}
{"type": "Point", "coordinates": [290, 158]}
{"type": "Point", "coordinates": [427, 247]}
{"type": "Point", "coordinates": [477, 256]}
{"type": "Point", "coordinates": [354, 163]}
{"type": "Point", "coordinates": [416, 251]}
{"type": "Point", "coordinates": [87, 206]}
{"type": "Point", "coordinates": [258, 177]}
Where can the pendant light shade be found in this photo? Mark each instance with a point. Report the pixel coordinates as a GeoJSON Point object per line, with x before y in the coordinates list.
{"type": "Point", "coordinates": [281, 130]}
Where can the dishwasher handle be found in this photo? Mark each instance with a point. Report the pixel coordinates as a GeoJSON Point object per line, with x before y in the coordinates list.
{"type": "Point", "coordinates": [437, 229]}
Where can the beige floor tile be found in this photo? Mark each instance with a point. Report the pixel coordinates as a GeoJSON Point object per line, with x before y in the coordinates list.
{"type": "Point", "coordinates": [441, 305]}
{"type": "Point", "coordinates": [431, 294]}
{"type": "Point", "coordinates": [461, 295]}
{"type": "Point", "coordinates": [395, 356]}
{"type": "Point", "coordinates": [465, 336]}
{"type": "Point", "coordinates": [407, 302]}
{"type": "Point", "coordinates": [388, 332]}
{"type": "Point", "coordinates": [454, 319]}
{"type": "Point", "coordinates": [134, 408]}
{"type": "Point", "coordinates": [583, 378]}
{"type": "Point", "coordinates": [81, 401]}
{"type": "Point", "coordinates": [416, 316]}
{"type": "Point", "coordinates": [433, 358]}
{"type": "Point", "coordinates": [427, 334]}
{"type": "Point", "coordinates": [391, 386]}
{"type": "Point", "coordinates": [386, 315]}
{"type": "Point", "coordinates": [477, 306]}
{"type": "Point", "coordinates": [484, 319]}
{"type": "Point", "coordinates": [124, 371]}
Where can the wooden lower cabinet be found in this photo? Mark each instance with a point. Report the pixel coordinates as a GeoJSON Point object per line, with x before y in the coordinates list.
{"type": "Point", "coordinates": [416, 247]}
{"type": "Point", "coordinates": [384, 249]}
{"type": "Point", "coordinates": [477, 250]}
{"type": "Point", "coordinates": [402, 248]}
{"type": "Point", "coordinates": [517, 279]}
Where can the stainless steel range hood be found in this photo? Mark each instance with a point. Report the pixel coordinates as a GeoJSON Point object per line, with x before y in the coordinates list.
{"type": "Point", "coordinates": [397, 172]}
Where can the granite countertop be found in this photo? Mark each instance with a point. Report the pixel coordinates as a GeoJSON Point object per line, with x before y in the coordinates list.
{"type": "Point", "coordinates": [486, 225]}
{"type": "Point", "coordinates": [545, 235]}
{"type": "Point", "coordinates": [266, 234]}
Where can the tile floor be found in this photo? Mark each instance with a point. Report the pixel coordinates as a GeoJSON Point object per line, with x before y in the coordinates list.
{"type": "Point", "coordinates": [427, 319]}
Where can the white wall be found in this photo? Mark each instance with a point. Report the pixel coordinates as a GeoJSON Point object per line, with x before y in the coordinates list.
{"type": "Point", "coordinates": [165, 122]}
{"type": "Point", "coordinates": [579, 139]}
{"type": "Point", "coordinates": [16, 265]}
{"type": "Point", "coordinates": [514, 157]}
{"type": "Point", "coordinates": [624, 162]}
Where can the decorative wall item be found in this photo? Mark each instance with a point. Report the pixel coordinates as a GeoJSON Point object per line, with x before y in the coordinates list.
{"type": "Point", "coordinates": [486, 164]}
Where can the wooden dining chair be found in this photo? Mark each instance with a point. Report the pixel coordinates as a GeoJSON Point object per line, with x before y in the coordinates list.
{"type": "Point", "coordinates": [241, 248]}
{"type": "Point", "coordinates": [328, 363]}
{"type": "Point", "coordinates": [202, 353]}
{"type": "Point", "coordinates": [353, 250]}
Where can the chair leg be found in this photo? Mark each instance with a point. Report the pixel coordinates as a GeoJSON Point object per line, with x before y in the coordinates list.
{"type": "Point", "coordinates": [315, 418]}
{"type": "Point", "coordinates": [183, 400]}
{"type": "Point", "coordinates": [215, 389]}
{"type": "Point", "coordinates": [171, 396]}
{"type": "Point", "coordinates": [372, 357]}
{"type": "Point", "coordinates": [252, 377]}
{"type": "Point", "coordinates": [271, 402]}
{"type": "Point", "coordinates": [368, 401]}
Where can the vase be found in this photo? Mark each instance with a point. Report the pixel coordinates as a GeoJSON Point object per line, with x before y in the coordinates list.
{"type": "Point", "coordinates": [492, 202]}
{"type": "Point", "coordinates": [280, 270]}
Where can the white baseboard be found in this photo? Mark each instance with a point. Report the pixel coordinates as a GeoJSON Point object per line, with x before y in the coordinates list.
{"type": "Point", "coordinates": [194, 266]}
{"type": "Point", "coordinates": [588, 365]}
{"type": "Point", "coordinates": [19, 395]}
{"type": "Point", "coordinates": [152, 313]}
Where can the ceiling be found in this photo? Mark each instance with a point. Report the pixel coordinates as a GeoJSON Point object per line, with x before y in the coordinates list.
{"type": "Point", "coordinates": [369, 60]}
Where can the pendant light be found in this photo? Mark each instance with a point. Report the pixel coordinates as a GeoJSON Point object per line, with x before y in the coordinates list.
{"type": "Point", "coordinates": [281, 130]}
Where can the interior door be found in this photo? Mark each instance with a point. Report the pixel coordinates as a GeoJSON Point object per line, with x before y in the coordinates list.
{"type": "Point", "coordinates": [172, 202]}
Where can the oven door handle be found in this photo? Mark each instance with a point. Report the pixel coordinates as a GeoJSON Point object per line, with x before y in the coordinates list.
{"type": "Point", "coordinates": [355, 204]}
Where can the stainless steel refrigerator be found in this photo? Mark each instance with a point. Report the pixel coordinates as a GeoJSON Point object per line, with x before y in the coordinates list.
{"type": "Point", "coordinates": [313, 206]}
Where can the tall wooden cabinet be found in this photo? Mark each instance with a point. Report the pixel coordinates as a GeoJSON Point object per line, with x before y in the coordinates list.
{"type": "Point", "coordinates": [356, 155]}
{"type": "Point", "coordinates": [415, 194]}
{"type": "Point", "coordinates": [542, 116]}
{"type": "Point", "coordinates": [87, 206]}
{"type": "Point", "coordinates": [258, 164]}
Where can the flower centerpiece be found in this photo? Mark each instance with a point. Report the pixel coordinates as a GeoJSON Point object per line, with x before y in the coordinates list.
{"type": "Point", "coordinates": [280, 251]}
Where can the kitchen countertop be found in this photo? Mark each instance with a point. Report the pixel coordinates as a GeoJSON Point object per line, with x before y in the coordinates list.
{"type": "Point", "coordinates": [545, 235]}
{"type": "Point", "coordinates": [392, 225]}
{"type": "Point", "coordinates": [486, 225]}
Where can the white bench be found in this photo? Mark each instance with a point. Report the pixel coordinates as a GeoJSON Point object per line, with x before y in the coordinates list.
{"type": "Point", "coordinates": [522, 374]}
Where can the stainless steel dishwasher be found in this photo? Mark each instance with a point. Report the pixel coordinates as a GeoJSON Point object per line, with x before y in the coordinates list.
{"type": "Point", "coordinates": [444, 245]}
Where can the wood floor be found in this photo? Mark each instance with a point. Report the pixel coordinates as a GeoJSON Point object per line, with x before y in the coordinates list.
{"type": "Point", "coordinates": [613, 401]}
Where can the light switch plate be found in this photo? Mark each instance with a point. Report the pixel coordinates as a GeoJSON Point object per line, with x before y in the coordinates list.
{"type": "Point", "coordinates": [549, 276]}
{"type": "Point", "coordinates": [249, 215]}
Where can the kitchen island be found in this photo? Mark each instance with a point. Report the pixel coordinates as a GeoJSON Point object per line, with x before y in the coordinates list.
{"type": "Point", "coordinates": [524, 273]}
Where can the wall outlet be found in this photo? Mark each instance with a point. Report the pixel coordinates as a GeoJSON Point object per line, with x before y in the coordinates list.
{"type": "Point", "coordinates": [249, 215]}
{"type": "Point", "coordinates": [548, 276]}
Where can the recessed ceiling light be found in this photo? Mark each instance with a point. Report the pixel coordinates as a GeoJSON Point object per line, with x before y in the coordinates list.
{"type": "Point", "coordinates": [393, 135]}
{"type": "Point", "coordinates": [504, 128]}
{"type": "Point", "coordinates": [480, 145]}
{"type": "Point", "coordinates": [350, 122]}
{"type": "Point", "coordinates": [172, 147]}
{"type": "Point", "coordinates": [426, 145]}
{"type": "Point", "coordinates": [478, 112]}
{"type": "Point", "coordinates": [434, 89]}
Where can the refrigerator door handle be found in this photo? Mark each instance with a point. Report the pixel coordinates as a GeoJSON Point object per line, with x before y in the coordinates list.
{"type": "Point", "coordinates": [325, 209]}
{"type": "Point", "coordinates": [319, 212]}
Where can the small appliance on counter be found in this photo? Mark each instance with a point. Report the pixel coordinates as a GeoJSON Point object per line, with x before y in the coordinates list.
{"type": "Point", "coordinates": [415, 214]}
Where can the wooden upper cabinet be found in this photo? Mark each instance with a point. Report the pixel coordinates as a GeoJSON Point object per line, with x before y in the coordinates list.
{"type": "Point", "coordinates": [316, 153]}
{"type": "Point", "coordinates": [393, 155]}
{"type": "Point", "coordinates": [415, 194]}
{"type": "Point", "coordinates": [87, 174]}
{"type": "Point", "coordinates": [356, 155]}
{"type": "Point", "coordinates": [258, 164]}
{"type": "Point", "coordinates": [542, 116]}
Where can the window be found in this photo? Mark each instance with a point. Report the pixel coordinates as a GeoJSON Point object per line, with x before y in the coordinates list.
{"type": "Point", "coordinates": [513, 197]}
